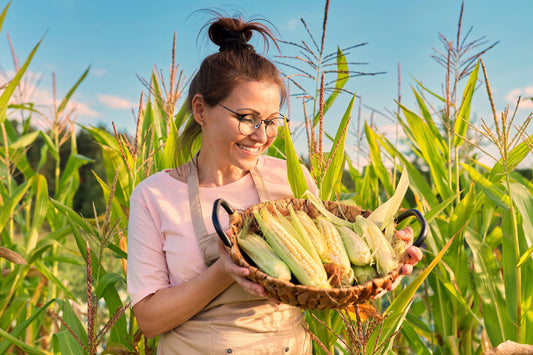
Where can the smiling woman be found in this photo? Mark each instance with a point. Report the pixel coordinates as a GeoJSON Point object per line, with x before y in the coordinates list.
{"type": "Point", "coordinates": [183, 285]}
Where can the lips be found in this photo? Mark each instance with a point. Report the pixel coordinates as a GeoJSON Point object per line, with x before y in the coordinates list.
{"type": "Point", "coordinates": [249, 149]}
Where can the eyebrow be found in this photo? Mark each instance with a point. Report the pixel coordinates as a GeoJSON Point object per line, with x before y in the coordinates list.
{"type": "Point", "coordinates": [255, 112]}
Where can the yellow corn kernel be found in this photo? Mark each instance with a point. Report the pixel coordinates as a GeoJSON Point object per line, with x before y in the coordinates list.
{"type": "Point", "coordinates": [317, 239]}
{"type": "Point", "coordinates": [302, 265]}
{"type": "Point", "coordinates": [263, 256]}
{"type": "Point", "coordinates": [336, 249]}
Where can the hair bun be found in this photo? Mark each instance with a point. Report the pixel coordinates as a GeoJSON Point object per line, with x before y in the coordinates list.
{"type": "Point", "coordinates": [230, 35]}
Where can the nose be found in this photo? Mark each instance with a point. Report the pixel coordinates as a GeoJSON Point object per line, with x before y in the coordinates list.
{"type": "Point", "coordinates": [260, 134]}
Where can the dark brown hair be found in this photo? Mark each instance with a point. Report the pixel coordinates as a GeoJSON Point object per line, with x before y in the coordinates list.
{"type": "Point", "coordinates": [221, 72]}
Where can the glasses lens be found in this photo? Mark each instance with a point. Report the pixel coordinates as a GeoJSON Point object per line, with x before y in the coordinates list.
{"type": "Point", "coordinates": [247, 126]}
{"type": "Point", "coordinates": [275, 126]}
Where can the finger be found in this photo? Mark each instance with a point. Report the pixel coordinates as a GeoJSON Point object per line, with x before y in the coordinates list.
{"type": "Point", "coordinates": [415, 254]}
{"type": "Point", "coordinates": [406, 269]}
{"type": "Point", "coordinates": [405, 234]}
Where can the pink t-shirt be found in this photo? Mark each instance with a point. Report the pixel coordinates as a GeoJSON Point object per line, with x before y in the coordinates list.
{"type": "Point", "coordinates": [162, 247]}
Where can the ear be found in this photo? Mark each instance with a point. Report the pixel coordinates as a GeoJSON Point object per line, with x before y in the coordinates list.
{"type": "Point", "coordinates": [198, 109]}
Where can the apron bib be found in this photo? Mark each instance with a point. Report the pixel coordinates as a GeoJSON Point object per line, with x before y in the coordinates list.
{"type": "Point", "coordinates": [234, 322]}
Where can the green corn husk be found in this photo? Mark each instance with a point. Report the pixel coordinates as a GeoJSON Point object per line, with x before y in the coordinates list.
{"type": "Point", "coordinates": [356, 248]}
{"type": "Point", "coordinates": [363, 274]}
{"type": "Point", "coordinates": [264, 256]}
{"type": "Point", "coordinates": [382, 252]}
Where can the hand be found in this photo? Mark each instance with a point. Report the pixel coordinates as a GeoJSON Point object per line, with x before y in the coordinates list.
{"type": "Point", "coordinates": [237, 273]}
{"type": "Point", "coordinates": [411, 256]}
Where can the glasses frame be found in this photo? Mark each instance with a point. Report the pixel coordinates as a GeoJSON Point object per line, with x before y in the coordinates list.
{"type": "Point", "coordinates": [257, 124]}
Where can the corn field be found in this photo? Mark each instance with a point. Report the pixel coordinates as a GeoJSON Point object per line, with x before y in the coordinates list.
{"type": "Point", "coordinates": [468, 294]}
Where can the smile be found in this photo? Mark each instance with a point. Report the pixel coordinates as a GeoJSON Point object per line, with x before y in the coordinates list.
{"type": "Point", "coordinates": [249, 149]}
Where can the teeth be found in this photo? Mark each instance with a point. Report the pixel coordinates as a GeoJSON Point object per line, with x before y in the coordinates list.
{"type": "Point", "coordinates": [249, 149]}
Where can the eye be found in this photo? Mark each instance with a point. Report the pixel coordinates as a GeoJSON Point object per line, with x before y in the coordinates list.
{"type": "Point", "coordinates": [247, 118]}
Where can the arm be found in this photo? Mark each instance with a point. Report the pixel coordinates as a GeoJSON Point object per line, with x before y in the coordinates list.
{"type": "Point", "coordinates": [170, 307]}
{"type": "Point", "coordinates": [158, 307]}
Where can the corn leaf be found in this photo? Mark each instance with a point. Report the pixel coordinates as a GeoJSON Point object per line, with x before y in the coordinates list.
{"type": "Point", "coordinates": [331, 182]}
{"type": "Point", "coordinates": [439, 140]}
{"type": "Point", "coordinates": [24, 141]}
{"type": "Point", "coordinates": [113, 303]}
{"type": "Point", "coordinates": [399, 307]}
{"type": "Point", "coordinates": [67, 97]}
{"type": "Point", "coordinates": [168, 158]}
{"type": "Point", "coordinates": [12, 203]}
{"type": "Point", "coordinates": [295, 173]}
{"type": "Point", "coordinates": [342, 78]}
{"type": "Point", "coordinates": [383, 216]}
{"type": "Point", "coordinates": [463, 117]}
{"type": "Point", "coordinates": [10, 89]}
{"type": "Point", "coordinates": [438, 97]}
{"type": "Point", "coordinates": [491, 190]}
{"type": "Point", "coordinates": [417, 180]}
{"type": "Point", "coordinates": [20, 328]}
{"type": "Point", "coordinates": [28, 349]}
{"type": "Point", "coordinates": [375, 155]}
{"type": "Point", "coordinates": [415, 343]}
{"type": "Point", "coordinates": [516, 156]}
{"type": "Point", "coordinates": [3, 14]}
{"type": "Point", "coordinates": [39, 213]}
{"type": "Point", "coordinates": [64, 343]}
{"type": "Point", "coordinates": [489, 285]}
{"type": "Point", "coordinates": [432, 156]}
{"type": "Point", "coordinates": [70, 179]}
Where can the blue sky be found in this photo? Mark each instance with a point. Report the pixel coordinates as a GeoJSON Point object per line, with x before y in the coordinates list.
{"type": "Point", "coordinates": [121, 40]}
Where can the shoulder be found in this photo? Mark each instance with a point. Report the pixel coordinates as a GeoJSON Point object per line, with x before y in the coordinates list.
{"type": "Point", "coordinates": [157, 184]}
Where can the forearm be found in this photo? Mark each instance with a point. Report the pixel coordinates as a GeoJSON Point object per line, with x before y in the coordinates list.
{"type": "Point", "coordinates": [171, 307]}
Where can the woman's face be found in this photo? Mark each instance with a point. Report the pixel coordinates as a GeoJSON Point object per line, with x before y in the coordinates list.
{"type": "Point", "coordinates": [227, 150]}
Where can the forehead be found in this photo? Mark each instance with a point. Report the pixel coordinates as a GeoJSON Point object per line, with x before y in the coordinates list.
{"type": "Point", "coordinates": [255, 94]}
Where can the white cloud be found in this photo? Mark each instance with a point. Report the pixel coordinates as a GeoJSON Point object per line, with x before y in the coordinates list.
{"type": "Point", "coordinates": [525, 101]}
{"type": "Point", "coordinates": [116, 102]}
{"type": "Point", "coordinates": [98, 72]}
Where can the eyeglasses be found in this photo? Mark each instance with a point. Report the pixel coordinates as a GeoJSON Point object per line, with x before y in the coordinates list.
{"type": "Point", "coordinates": [249, 123]}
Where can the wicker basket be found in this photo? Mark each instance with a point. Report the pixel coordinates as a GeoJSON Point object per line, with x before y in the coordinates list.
{"type": "Point", "coordinates": [306, 297]}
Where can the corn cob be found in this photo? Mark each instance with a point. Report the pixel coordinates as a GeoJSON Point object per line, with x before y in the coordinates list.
{"type": "Point", "coordinates": [304, 237]}
{"type": "Point", "coordinates": [315, 236]}
{"type": "Point", "coordinates": [356, 248]}
{"type": "Point", "coordinates": [302, 265]}
{"type": "Point", "coordinates": [382, 252]}
{"type": "Point", "coordinates": [264, 256]}
{"type": "Point", "coordinates": [363, 274]}
{"type": "Point", "coordinates": [336, 249]}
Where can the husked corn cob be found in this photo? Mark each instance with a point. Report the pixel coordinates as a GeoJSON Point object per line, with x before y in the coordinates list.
{"type": "Point", "coordinates": [296, 232]}
{"type": "Point", "coordinates": [302, 265]}
{"type": "Point", "coordinates": [336, 249]}
{"type": "Point", "coordinates": [382, 252]}
{"type": "Point", "coordinates": [264, 256]}
{"type": "Point", "coordinates": [315, 236]}
{"type": "Point", "coordinates": [356, 248]}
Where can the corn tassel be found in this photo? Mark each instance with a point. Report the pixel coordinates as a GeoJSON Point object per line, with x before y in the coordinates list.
{"type": "Point", "coordinates": [302, 265]}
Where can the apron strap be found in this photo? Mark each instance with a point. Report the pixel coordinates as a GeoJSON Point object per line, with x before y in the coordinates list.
{"type": "Point", "coordinates": [206, 241]}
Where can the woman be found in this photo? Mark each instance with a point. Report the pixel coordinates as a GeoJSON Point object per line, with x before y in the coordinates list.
{"type": "Point", "coordinates": [183, 285]}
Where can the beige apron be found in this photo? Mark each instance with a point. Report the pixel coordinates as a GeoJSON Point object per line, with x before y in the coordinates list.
{"type": "Point", "coordinates": [234, 322]}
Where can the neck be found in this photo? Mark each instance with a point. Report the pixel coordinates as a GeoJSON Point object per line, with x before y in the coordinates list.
{"type": "Point", "coordinates": [211, 174]}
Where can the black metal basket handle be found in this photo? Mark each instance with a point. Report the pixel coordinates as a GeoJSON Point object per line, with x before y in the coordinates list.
{"type": "Point", "coordinates": [221, 234]}
{"type": "Point", "coordinates": [421, 220]}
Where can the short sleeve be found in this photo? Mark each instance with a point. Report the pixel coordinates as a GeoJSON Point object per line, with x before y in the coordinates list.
{"type": "Point", "coordinates": [147, 267]}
